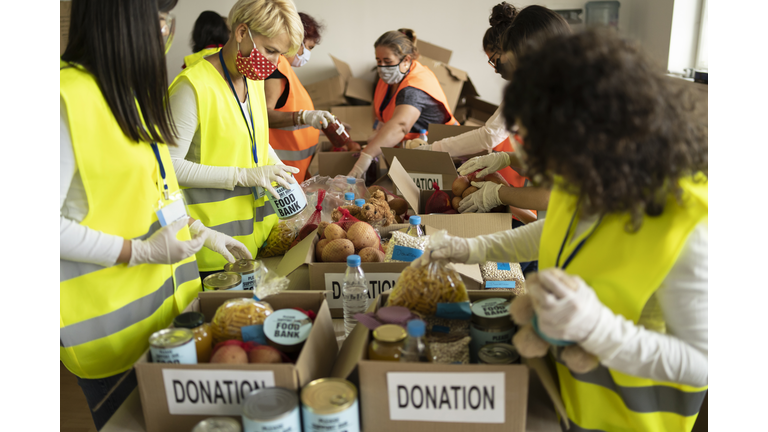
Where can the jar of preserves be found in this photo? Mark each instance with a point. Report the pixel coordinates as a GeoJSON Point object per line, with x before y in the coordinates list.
{"type": "Point", "coordinates": [201, 330]}
{"type": "Point", "coordinates": [387, 343]}
{"type": "Point", "coordinates": [336, 133]}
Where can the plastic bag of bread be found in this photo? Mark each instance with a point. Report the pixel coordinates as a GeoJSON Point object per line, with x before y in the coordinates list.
{"type": "Point", "coordinates": [422, 288]}
{"type": "Point", "coordinates": [235, 314]}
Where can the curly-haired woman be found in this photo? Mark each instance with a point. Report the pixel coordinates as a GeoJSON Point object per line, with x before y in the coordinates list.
{"type": "Point", "coordinates": [623, 250]}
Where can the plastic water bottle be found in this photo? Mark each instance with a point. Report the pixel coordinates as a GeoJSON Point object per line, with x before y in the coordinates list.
{"type": "Point", "coordinates": [423, 135]}
{"type": "Point", "coordinates": [360, 202]}
{"type": "Point", "coordinates": [349, 197]}
{"type": "Point", "coordinates": [416, 349]}
{"type": "Point", "coordinates": [354, 293]}
{"type": "Point", "coordinates": [414, 227]}
{"type": "Point", "coordinates": [351, 182]}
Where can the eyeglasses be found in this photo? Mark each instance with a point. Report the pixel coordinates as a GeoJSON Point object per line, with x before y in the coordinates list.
{"type": "Point", "coordinates": [167, 29]}
{"type": "Point", "coordinates": [492, 62]}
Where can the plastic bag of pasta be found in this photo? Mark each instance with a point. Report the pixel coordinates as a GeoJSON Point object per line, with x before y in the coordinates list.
{"type": "Point", "coordinates": [238, 318]}
{"type": "Point", "coordinates": [428, 288]}
{"type": "Point", "coordinates": [279, 239]}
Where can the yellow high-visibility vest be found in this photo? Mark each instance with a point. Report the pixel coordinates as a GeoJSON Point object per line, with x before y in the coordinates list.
{"type": "Point", "coordinates": [625, 269]}
{"type": "Point", "coordinates": [225, 142]}
{"type": "Point", "coordinates": [107, 314]}
{"type": "Point", "coordinates": [193, 58]}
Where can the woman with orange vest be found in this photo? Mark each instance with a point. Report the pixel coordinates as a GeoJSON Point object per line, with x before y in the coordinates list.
{"type": "Point", "coordinates": [407, 99]}
{"type": "Point", "coordinates": [293, 122]}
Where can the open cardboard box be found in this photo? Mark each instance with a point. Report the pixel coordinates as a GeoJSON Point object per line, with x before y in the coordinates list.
{"type": "Point", "coordinates": [501, 399]}
{"type": "Point", "coordinates": [423, 167]}
{"type": "Point", "coordinates": [359, 118]}
{"type": "Point", "coordinates": [335, 91]}
{"type": "Point", "coordinates": [455, 82]}
{"type": "Point", "coordinates": [173, 396]}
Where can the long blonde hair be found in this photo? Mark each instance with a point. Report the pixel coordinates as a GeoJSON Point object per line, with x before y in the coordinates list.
{"type": "Point", "coordinates": [269, 18]}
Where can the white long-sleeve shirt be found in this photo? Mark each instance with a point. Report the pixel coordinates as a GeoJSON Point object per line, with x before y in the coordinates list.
{"type": "Point", "coordinates": [681, 354]}
{"type": "Point", "coordinates": [483, 139]}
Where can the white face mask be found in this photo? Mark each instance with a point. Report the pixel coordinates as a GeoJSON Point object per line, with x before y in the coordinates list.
{"type": "Point", "coordinates": [301, 60]}
{"type": "Point", "coordinates": [391, 74]}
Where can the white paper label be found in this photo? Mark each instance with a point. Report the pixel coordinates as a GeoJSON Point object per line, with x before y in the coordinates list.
{"type": "Point", "coordinates": [171, 212]}
{"type": "Point", "coordinates": [424, 181]}
{"type": "Point", "coordinates": [459, 397]}
{"type": "Point", "coordinates": [212, 392]}
{"type": "Point", "coordinates": [377, 284]}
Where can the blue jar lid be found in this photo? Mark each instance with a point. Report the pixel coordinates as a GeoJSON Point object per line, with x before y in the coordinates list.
{"type": "Point", "coordinates": [353, 260]}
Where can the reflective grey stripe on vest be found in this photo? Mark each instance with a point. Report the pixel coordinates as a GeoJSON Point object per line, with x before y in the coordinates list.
{"type": "Point", "coordinates": [186, 272]}
{"type": "Point", "coordinates": [71, 269]}
{"type": "Point", "coordinates": [117, 320]}
{"type": "Point", "coordinates": [293, 128]}
{"type": "Point", "coordinates": [245, 227]}
{"type": "Point", "coordinates": [210, 195]}
{"type": "Point", "coordinates": [646, 399]}
{"type": "Point", "coordinates": [296, 155]}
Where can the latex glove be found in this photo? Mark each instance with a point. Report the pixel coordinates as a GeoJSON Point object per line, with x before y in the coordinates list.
{"type": "Point", "coordinates": [445, 247]}
{"type": "Point", "coordinates": [162, 247]}
{"type": "Point", "coordinates": [482, 200]}
{"type": "Point", "coordinates": [264, 176]}
{"type": "Point", "coordinates": [318, 119]}
{"type": "Point", "coordinates": [223, 244]}
{"type": "Point", "coordinates": [567, 308]}
{"type": "Point", "coordinates": [361, 166]}
{"type": "Point", "coordinates": [489, 163]}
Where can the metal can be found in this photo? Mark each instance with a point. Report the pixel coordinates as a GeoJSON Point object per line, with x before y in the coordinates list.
{"type": "Point", "coordinates": [289, 202]}
{"type": "Point", "coordinates": [218, 424]}
{"type": "Point", "coordinates": [498, 354]}
{"type": "Point", "coordinates": [175, 345]}
{"type": "Point", "coordinates": [223, 281]}
{"type": "Point", "coordinates": [273, 409]}
{"type": "Point", "coordinates": [247, 270]}
{"type": "Point", "coordinates": [330, 405]}
{"type": "Point", "coordinates": [491, 323]}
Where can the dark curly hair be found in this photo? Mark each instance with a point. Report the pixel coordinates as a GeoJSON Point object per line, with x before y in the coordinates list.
{"type": "Point", "coordinates": [595, 110]}
{"type": "Point", "coordinates": [210, 29]}
{"type": "Point", "coordinates": [532, 22]}
{"type": "Point", "coordinates": [501, 18]}
{"type": "Point", "coordinates": [312, 28]}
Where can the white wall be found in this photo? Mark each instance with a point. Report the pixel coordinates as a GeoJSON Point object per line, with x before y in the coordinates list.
{"type": "Point", "coordinates": [650, 22]}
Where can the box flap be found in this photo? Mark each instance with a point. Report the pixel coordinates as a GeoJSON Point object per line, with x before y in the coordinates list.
{"type": "Point", "coordinates": [419, 161]}
{"type": "Point", "coordinates": [442, 131]}
{"type": "Point", "coordinates": [300, 254]}
{"type": "Point", "coordinates": [451, 79]}
{"type": "Point", "coordinates": [360, 118]}
{"type": "Point", "coordinates": [469, 90]}
{"type": "Point", "coordinates": [344, 70]}
{"type": "Point", "coordinates": [332, 164]}
{"type": "Point", "coordinates": [327, 93]}
{"type": "Point", "coordinates": [539, 365]}
{"type": "Point", "coordinates": [404, 184]}
{"type": "Point", "coordinates": [319, 352]}
{"type": "Point", "coordinates": [457, 73]}
{"type": "Point", "coordinates": [468, 225]}
{"type": "Point", "coordinates": [358, 88]}
{"type": "Point", "coordinates": [434, 52]}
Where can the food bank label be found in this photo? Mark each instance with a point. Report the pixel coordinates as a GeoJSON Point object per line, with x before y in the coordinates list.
{"type": "Point", "coordinates": [459, 397]}
{"type": "Point", "coordinates": [377, 284]}
{"type": "Point", "coordinates": [212, 392]}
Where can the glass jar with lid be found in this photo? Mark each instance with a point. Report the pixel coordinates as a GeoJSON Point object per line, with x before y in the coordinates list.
{"type": "Point", "coordinates": [387, 343]}
{"type": "Point", "coordinates": [201, 330]}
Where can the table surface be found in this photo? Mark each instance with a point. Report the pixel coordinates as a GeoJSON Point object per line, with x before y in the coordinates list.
{"type": "Point", "coordinates": [541, 415]}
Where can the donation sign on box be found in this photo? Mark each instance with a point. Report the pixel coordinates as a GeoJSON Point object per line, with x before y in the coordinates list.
{"type": "Point", "coordinates": [377, 284]}
{"type": "Point", "coordinates": [212, 392]}
{"type": "Point", "coordinates": [458, 397]}
{"type": "Point", "coordinates": [424, 181]}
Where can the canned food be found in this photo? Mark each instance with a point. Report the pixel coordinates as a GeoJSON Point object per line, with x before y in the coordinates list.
{"type": "Point", "coordinates": [218, 424]}
{"type": "Point", "coordinates": [289, 202]}
{"type": "Point", "coordinates": [330, 405]}
{"type": "Point", "coordinates": [491, 323]}
{"type": "Point", "coordinates": [246, 269]}
{"type": "Point", "coordinates": [175, 345]}
{"type": "Point", "coordinates": [498, 354]}
{"type": "Point", "coordinates": [223, 281]}
{"type": "Point", "coordinates": [273, 409]}
{"type": "Point", "coordinates": [287, 329]}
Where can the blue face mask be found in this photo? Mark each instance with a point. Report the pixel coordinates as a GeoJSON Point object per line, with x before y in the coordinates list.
{"type": "Point", "coordinates": [301, 60]}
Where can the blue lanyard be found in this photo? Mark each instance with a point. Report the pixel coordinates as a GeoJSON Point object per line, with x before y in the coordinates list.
{"type": "Point", "coordinates": [162, 170]}
{"type": "Point", "coordinates": [251, 133]}
{"type": "Point", "coordinates": [578, 247]}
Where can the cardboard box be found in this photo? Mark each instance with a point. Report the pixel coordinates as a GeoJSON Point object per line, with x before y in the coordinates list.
{"type": "Point", "coordinates": [454, 81]}
{"type": "Point", "coordinates": [423, 167]}
{"type": "Point", "coordinates": [384, 387]}
{"type": "Point", "coordinates": [435, 52]}
{"type": "Point", "coordinates": [335, 91]}
{"type": "Point", "coordinates": [360, 118]}
{"type": "Point", "coordinates": [161, 383]}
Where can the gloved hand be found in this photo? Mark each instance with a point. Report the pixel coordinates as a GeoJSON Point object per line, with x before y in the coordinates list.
{"type": "Point", "coordinates": [482, 200]}
{"type": "Point", "coordinates": [361, 166]}
{"type": "Point", "coordinates": [567, 308]}
{"type": "Point", "coordinates": [264, 176]}
{"type": "Point", "coordinates": [318, 119]}
{"type": "Point", "coordinates": [445, 247]}
{"type": "Point", "coordinates": [489, 163]}
{"type": "Point", "coordinates": [162, 247]}
{"type": "Point", "coordinates": [225, 245]}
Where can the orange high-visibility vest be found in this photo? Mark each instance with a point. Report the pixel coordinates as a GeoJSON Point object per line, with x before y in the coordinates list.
{"type": "Point", "coordinates": [419, 77]}
{"type": "Point", "coordinates": [294, 145]}
{"type": "Point", "coordinates": [511, 176]}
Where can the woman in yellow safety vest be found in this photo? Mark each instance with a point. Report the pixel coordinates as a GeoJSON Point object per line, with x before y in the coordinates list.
{"type": "Point", "coordinates": [126, 250]}
{"type": "Point", "coordinates": [623, 249]}
{"type": "Point", "coordinates": [223, 159]}
{"type": "Point", "coordinates": [209, 34]}
{"type": "Point", "coordinates": [293, 121]}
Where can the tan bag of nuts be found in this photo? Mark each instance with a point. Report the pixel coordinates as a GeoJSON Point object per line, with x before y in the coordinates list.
{"type": "Point", "coordinates": [501, 273]}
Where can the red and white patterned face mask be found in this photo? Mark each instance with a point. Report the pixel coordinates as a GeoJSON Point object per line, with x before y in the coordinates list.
{"type": "Point", "coordinates": [255, 67]}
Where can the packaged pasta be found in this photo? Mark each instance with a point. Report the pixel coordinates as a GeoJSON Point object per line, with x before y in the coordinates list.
{"type": "Point", "coordinates": [235, 314]}
{"type": "Point", "coordinates": [422, 288]}
{"type": "Point", "coordinates": [279, 240]}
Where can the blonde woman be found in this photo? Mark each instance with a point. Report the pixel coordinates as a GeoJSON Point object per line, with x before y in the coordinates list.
{"type": "Point", "coordinates": [223, 158]}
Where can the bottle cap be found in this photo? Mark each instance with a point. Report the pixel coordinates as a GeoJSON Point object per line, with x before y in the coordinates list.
{"type": "Point", "coordinates": [349, 196]}
{"type": "Point", "coordinates": [416, 328]}
{"type": "Point", "coordinates": [351, 180]}
{"type": "Point", "coordinates": [353, 260]}
{"type": "Point", "coordinates": [414, 220]}
{"type": "Point", "coordinates": [359, 202]}
{"type": "Point", "coordinates": [423, 131]}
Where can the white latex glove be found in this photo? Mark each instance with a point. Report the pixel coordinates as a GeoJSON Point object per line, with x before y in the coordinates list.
{"type": "Point", "coordinates": [489, 163]}
{"type": "Point", "coordinates": [567, 308]}
{"type": "Point", "coordinates": [442, 246]}
{"type": "Point", "coordinates": [163, 247]}
{"type": "Point", "coordinates": [318, 119]}
{"type": "Point", "coordinates": [223, 244]}
{"type": "Point", "coordinates": [361, 166]}
{"type": "Point", "coordinates": [482, 200]}
{"type": "Point", "coordinates": [264, 176]}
